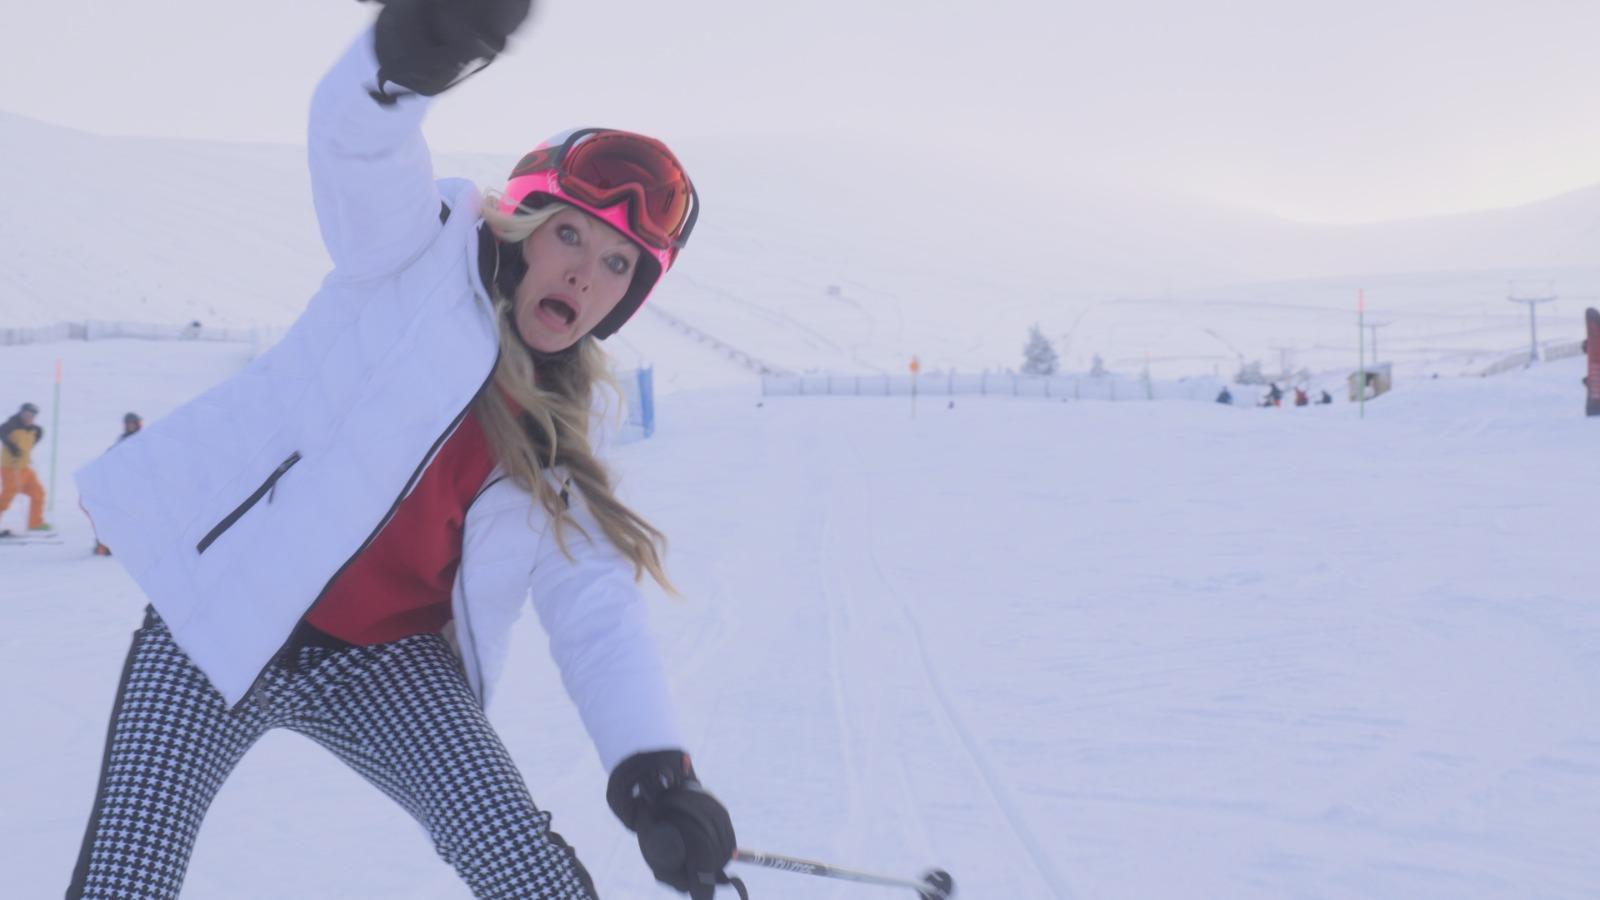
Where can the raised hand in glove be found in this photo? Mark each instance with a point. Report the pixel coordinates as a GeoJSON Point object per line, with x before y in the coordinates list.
{"type": "Point", "coordinates": [428, 46]}
{"type": "Point", "coordinates": [684, 833]}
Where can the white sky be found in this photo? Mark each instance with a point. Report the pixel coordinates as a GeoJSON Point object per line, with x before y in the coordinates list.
{"type": "Point", "coordinates": [1341, 112]}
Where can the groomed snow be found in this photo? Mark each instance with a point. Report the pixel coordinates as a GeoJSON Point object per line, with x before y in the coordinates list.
{"type": "Point", "coordinates": [1061, 649]}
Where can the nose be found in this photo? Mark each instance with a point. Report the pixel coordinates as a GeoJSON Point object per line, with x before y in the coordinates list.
{"type": "Point", "coordinates": [580, 277]}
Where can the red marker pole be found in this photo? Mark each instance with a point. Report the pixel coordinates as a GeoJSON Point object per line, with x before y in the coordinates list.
{"type": "Point", "coordinates": [916, 366]}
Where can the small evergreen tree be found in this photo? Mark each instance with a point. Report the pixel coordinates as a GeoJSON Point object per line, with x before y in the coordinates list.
{"type": "Point", "coordinates": [1097, 367]}
{"type": "Point", "coordinates": [1038, 357]}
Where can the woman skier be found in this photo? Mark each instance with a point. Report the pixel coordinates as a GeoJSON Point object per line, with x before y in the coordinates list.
{"type": "Point", "coordinates": [338, 539]}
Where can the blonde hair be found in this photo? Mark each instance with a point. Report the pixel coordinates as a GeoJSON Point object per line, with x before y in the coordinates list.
{"type": "Point", "coordinates": [553, 400]}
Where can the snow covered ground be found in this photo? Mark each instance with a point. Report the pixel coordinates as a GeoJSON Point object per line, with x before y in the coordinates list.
{"type": "Point", "coordinates": [1061, 649]}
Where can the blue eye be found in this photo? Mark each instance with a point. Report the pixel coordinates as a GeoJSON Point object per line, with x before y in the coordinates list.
{"type": "Point", "coordinates": [617, 264]}
{"type": "Point", "coordinates": [567, 234]}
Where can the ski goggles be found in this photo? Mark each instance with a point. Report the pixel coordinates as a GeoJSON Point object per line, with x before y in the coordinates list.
{"type": "Point", "coordinates": [603, 169]}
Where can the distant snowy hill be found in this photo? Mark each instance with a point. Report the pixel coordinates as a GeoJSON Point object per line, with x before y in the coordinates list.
{"type": "Point", "coordinates": [830, 257]}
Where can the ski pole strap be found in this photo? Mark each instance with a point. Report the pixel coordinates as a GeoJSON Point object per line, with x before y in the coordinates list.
{"type": "Point", "coordinates": [704, 886]}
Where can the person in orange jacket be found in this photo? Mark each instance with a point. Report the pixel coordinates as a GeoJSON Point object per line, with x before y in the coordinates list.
{"type": "Point", "coordinates": [18, 436]}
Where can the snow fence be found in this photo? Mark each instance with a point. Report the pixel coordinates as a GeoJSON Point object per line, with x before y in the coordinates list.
{"type": "Point", "coordinates": [1524, 358]}
{"type": "Point", "coordinates": [99, 330]}
{"type": "Point", "coordinates": [638, 385]}
{"type": "Point", "coordinates": [1108, 387]}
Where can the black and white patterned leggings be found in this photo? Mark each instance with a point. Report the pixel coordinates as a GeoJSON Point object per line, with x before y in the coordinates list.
{"type": "Point", "coordinates": [400, 714]}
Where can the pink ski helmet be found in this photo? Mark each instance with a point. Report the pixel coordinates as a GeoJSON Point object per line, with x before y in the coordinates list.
{"type": "Point", "coordinates": [631, 182]}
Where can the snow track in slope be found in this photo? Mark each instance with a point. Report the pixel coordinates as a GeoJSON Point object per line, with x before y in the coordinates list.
{"type": "Point", "coordinates": [877, 645]}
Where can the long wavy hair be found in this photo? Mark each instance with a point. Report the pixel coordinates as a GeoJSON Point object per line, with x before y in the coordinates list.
{"type": "Point", "coordinates": [537, 412]}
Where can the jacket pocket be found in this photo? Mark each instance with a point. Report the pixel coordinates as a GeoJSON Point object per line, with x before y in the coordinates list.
{"type": "Point", "coordinates": [254, 498]}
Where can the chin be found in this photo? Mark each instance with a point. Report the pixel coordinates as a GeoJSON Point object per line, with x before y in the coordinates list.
{"type": "Point", "coordinates": [544, 342]}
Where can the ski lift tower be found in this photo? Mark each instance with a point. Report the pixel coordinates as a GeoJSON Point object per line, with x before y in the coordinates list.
{"type": "Point", "coordinates": [1533, 325]}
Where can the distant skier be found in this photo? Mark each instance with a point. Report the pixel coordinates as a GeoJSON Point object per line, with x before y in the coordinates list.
{"type": "Point", "coordinates": [1274, 396]}
{"type": "Point", "coordinates": [18, 438]}
{"type": "Point", "coordinates": [131, 423]}
{"type": "Point", "coordinates": [1225, 397]}
{"type": "Point", "coordinates": [1326, 399]}
{"type": "Point", "coordinates": [350, 564]}
{"type": "Point", "coordinates": [1301, 398]}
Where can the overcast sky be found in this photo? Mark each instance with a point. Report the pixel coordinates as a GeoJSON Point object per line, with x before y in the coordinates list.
{"type": "Point", "coordinates": [1344, 111]}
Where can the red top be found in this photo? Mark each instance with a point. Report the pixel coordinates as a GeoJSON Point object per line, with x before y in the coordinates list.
{"type": "Point", "coordinates": [400, 585]}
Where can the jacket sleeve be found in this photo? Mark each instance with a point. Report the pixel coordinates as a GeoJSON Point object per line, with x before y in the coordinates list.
{"type": "Point", "coordinates": [6, 428]}
{"type": "Point", "coordinates": [594, 615]}
{"type": "Point", "coordinates": [371, 174]}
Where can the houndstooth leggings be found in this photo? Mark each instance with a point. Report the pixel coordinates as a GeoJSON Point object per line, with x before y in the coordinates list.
{"type": "Point", "coordinates": [400, 714]}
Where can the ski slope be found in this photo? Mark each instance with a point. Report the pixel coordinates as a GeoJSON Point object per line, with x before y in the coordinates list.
{"type": "Point", "coordinates": [1061, 649]}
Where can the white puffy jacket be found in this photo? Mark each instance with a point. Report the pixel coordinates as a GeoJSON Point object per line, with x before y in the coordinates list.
{"type": "Point", "coordinates": [237, 510]}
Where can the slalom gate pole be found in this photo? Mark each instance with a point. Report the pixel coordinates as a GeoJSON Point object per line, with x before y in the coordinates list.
{"type": "Point", "coordinates": [55, 443]}
{"type": "Point", "coordinates": [936, 885]}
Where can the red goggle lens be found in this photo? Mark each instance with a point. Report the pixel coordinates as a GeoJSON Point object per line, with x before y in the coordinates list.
{"type": "Point", "coordinates": [605, 168]}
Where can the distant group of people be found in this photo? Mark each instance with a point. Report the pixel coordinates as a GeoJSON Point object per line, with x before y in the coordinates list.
{"type": "Point", "coordinates": [1274, 397]}
{"type": "Point", "coordinates": [20, 435]}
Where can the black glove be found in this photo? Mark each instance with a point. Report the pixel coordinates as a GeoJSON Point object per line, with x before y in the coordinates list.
{"type": "Point", "coordinates": [428, 46]}
{"type": "Point", "coordinates": [685, 834]}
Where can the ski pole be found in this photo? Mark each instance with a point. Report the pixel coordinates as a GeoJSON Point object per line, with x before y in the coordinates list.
{"type": "Point", "coordinates": [935, 885]}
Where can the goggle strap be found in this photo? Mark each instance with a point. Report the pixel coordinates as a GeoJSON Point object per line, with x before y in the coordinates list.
{"type": "Point", "coordinates": [687, 228]}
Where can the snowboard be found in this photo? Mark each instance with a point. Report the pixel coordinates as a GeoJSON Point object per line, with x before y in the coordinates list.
{"type": "Point", "coordinates": [19, 538]}
{"type": "Point", "coordinates": [1591, 345]}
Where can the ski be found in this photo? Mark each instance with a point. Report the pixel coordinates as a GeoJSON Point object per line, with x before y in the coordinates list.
{"type": "Point", "coordinates": [28, 537]}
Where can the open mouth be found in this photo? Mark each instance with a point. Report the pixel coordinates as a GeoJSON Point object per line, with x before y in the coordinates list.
{"type": "Point", "coordinates": [558, 309]}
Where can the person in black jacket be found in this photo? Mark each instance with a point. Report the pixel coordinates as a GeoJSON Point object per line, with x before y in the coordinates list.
{"type": "Point", "coordinates": [131, 423]}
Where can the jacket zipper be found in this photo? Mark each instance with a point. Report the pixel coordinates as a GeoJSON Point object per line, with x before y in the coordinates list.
{"type": "Point", "coordinates": [466, 616]}
{"type": "Point", "coordinates": [410, 482]}
{"type": "Point", "coordinates": [254, 498]}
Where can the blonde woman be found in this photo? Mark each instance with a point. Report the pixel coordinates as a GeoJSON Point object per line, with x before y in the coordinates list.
{"type": "Point", "coordinates": [338, 539]}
